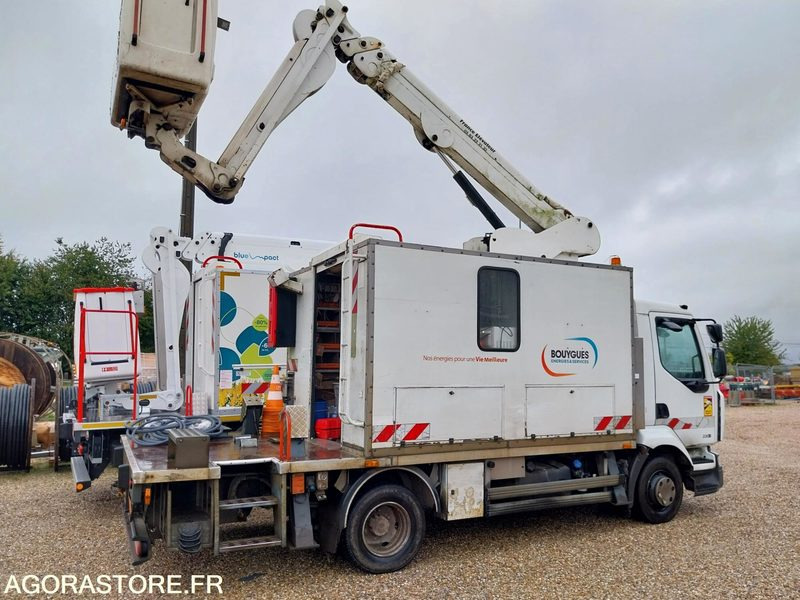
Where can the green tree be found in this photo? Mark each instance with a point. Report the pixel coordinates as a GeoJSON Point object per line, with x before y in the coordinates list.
{"type": "Point", "coordinates": [147, 323]}
{"type": "Point", "coordinates": [751, 340]}
{"type": "Point", "coordinates": [13, 272]}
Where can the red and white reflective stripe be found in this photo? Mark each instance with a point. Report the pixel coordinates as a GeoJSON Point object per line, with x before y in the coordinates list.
{"type": "Point", "coordinates": [355, 285]}
{"type": "Point", "coordinates": [612, 422]}
{"type": "Point", "coordinates": [405, 432]}
{"type": "Point", "coordinates": [414, 431]}
{"type": "Point", "coordinates": [685, 422]}
{"type": "Point", "coordinates": [255, 388]}
{"type": "Point", "coordinates": [385, 434]}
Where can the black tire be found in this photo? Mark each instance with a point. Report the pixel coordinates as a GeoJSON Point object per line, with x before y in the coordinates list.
{"type": "Point", "coordinates": [659, 491]}
{"type": "Point", "coordinates": [385, 529]}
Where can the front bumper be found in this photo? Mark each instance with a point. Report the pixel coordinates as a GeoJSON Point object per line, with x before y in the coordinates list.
{"type": "Point", "coordinates": [705, 482]}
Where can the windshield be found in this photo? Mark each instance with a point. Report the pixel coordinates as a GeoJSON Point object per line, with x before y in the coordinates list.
{"type": "Point", "coordinates": [679, 349]}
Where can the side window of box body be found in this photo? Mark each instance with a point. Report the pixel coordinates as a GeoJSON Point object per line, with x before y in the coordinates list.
{"type": "Point", "coordinates": [498, 309]}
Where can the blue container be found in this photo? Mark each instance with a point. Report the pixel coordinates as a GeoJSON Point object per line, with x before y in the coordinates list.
{"type": "Point", "coordinates": [319, 409]}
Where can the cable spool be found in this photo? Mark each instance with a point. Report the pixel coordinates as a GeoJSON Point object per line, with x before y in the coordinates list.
{"type": "Point", "coordinates": [9, 374]}
{"type": "Point", "coordinates": [16, 421]}
{"type": "Point", "coordinates": [33, 359]}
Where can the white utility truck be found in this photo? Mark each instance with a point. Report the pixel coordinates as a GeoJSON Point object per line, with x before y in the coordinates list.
{"type": "Point", "coordinates": [470, 382]}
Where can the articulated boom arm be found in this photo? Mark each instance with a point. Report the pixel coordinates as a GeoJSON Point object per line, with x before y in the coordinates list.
{"type": "Point", "coordinates": [322, 37]}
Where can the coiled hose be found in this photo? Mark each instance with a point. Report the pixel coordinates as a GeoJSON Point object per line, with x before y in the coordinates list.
{"type": "Point", "coordinates": [152, 430]}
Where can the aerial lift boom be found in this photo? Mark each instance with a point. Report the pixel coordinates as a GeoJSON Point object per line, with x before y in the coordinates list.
{"type": "Point", "coordinates": [322, 37]}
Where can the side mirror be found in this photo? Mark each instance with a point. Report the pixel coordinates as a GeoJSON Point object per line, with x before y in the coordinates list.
{"type": "Point", "coordinates": [715, 332]}
{"type": "Point", "coordinates": [719, 362]}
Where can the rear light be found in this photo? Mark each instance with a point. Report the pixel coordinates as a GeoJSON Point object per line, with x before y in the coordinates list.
{"type": "Point", "coordinates": [298, 483]}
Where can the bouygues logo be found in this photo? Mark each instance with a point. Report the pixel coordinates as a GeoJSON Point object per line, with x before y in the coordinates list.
{"type": "Point", "coordinates": [577, 353]}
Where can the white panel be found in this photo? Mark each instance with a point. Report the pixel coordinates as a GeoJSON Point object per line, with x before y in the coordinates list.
{"type": "Point", "coordinates": [204, 363]}
{"type": "Point", "coordinates": [106, 332]}
{"type": "Point", "coordinates": [562, 410]}
{"type": "Point", "coordinates": [463, 488]}
{"type": "Point", "coordinates": [460, 413]}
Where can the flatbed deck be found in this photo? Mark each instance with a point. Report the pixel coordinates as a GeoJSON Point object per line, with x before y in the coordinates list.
{"type": "Point", "coordinates": [149, 463]}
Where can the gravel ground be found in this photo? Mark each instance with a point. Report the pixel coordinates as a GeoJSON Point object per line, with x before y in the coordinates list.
{"type": "Point", "coordinates": [741, 542]}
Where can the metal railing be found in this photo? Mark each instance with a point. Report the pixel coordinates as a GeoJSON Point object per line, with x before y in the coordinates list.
{"type": "Point", "coordinates": [133, 323]}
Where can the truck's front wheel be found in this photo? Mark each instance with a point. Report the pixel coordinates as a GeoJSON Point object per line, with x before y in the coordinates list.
{"type": "Point", "coordinates": [385, 529]}
{"type": "Point", "coordinates": [659, 491]}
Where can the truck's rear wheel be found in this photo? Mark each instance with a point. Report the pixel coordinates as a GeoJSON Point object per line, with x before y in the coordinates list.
{"type": "Point", "coordinates": [659, 491]}
{"type": "Point", "coordinates": [385, 529]}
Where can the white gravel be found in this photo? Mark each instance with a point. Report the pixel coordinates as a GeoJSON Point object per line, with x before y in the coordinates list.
{"type": "Point", "coordinates": [742, 542]}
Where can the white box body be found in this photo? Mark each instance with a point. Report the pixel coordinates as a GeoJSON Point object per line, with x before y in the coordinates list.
{"type": "Point", "coordinates": [413, 373]}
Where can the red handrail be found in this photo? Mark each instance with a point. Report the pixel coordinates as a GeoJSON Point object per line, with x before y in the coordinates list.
{"type": "Point", "coordinates": [272, 334]}
{"type": "Point", "coordinates": [189, 402]}
{"type": "Point", "coordinates": [220, 257]}
{"type": "Point", "coordinates": [375, 226]}
{"type": "Point", "coordinates": [82, 354]}
{"type": "Point", "coordinates": [202, 56]}
{"type": "Point", "coordinates": [135, 34]}
{"type": "Point", "coordinates": [285, 437]}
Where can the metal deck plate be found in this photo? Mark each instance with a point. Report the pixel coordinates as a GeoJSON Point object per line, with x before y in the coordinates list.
{"type": "Point", "coordinates": [149, 463]}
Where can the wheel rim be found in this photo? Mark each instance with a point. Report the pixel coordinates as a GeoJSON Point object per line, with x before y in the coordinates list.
{"type": "Point", "coordinates": [662, 490]}
{"type": "Point", "coordinates": [386, 529]}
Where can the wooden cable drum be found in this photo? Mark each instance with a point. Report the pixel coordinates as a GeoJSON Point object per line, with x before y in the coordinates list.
{"type": "Point", "coordinates": [9, 374]}
{"type": "Point", "coordinates": [22, 361]}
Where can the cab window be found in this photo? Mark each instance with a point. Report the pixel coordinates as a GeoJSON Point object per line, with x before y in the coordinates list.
{"type": "Point", "coordinates": [679, 349]}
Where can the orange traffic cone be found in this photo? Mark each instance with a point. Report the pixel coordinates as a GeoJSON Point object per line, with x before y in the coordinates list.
{"type": "Point", "coordinates": [270, 422]}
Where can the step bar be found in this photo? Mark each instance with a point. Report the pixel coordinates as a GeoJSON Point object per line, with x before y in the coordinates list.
{"type": "Point", "coordinates": [249, 543]}
{"type": "Point", "coordinates": [554, 487]}
{"type": "Point", "coordinates": [552, 502]}
{"type": "Point", "coordinates": [255, 501]}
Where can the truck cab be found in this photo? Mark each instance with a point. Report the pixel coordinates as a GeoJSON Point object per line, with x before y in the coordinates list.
{"type": "Point", "coordinates": [684, 407]}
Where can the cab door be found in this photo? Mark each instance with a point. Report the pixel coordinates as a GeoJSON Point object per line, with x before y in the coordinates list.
{"type": "Point", "coordinates": [684, 398]}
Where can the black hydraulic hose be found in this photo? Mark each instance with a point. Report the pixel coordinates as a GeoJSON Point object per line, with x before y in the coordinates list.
{"type": "Point", "coordinates": [152, 430]}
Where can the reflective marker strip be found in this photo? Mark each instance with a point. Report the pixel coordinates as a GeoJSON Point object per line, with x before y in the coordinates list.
{"type": "Point", "coordinates": [612, 422]}
{"type": "Point", "coordinates": [386, 433]}
{"type": "Point", "coordinates": [416, 431]}
{"type": "Point", "coordinates": [604, 422]}
{"type": "Point", "coordinates": [623, 422]}
{"type": "Point", "coordinates": [407, 432]}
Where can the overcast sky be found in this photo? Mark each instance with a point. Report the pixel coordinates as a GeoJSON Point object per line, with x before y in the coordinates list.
{"type": "Point", "coordinates": [675, 126]}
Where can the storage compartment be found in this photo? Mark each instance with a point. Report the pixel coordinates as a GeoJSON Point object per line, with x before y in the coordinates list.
{"type": "Point", "coordinates": [426, 414]}
{"type": "Point", "coordinates": [166, 50]}
{"type": "Point", "coordinates": [462, 487]}
{"type": "Point", "coordinates": [562, 410]}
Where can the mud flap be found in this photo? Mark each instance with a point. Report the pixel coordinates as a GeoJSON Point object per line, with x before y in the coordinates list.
{"type": "Point", "coordinates": [139, 544]}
